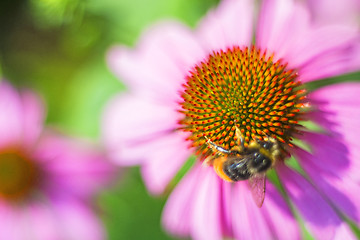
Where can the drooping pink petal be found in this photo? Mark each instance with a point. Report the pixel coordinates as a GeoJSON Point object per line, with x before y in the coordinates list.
{"type": "Point", "coordinates": [157, 68]}
{"type": "Point", "coordinates": [341, 190]}
{"type": "Point", "coordinates": [278, 215]}
{"type": "Point", "coordinates": [202, 210]}
{"type": "Point", "coordinates": [285, 29]}
{"type": "Point", "coordinates": [155, 177]}
{"type": "Point", "coordinates": [319, 217]}
{"type": "Point", "coordinates": [178, 209]}
{"type": "Point", "coordinates": [247, 217]}
{"type": "Point", "coordinates": [344, 232]}
{"type": "Point", "coordinates": [206, 219]}
{"type": "Point", "coordinates": [133, 127]}
{"type": "Point", "coordinates": [230, 24]}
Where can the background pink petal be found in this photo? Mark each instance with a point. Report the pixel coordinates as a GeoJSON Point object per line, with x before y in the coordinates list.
{"type": "Point", "coordinates": [132, 127]}
{"type": "Point", "coordinates": [78, 222]}
{"type": "Point", "coordinates": [230, 24]}
{"type": "Point", "coordinates": [158, 66]}
{"type": "Point", "coordinates": [320, 218]}
{"type": "Point", "coordinates": [11, 117]}
{"type": "Point", "coordinates": [74, 167]}
{"type": "Point", "coordinates": [10, 223]}
{"type": "Point", "coordinates": [60, 219]}
{"type": "Point", "coordinates": [22, 117]}
{"type": "Point", "coordinates": [34, 115]}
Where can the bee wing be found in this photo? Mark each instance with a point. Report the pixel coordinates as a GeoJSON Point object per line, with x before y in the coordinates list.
{"type": "Point", "coordinates": [257, 187]}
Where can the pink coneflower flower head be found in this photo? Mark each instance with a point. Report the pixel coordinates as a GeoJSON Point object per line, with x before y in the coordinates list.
{"type": "Point", "coordinates": [47, 180]}
{"type": "Point", "coordinates": [243, 102]}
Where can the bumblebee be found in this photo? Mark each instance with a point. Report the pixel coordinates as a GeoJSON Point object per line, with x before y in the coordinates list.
{"type": "Point", "coordinates": [246, 163]}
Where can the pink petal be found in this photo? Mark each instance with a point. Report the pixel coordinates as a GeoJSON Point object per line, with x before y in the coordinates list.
{"type": "Point", "coordinates": [157, 68]}
{"type": "Point", "coordinates": [319, 216]}
{"type": "Point", "coordinates": [285, 29]}
{"type": "Point", "coordinates": [341, 93]}
{"type": "Point", "coordinates": [179, 206]}
{"type": "Point", "coordinates": [344, 232]}
{"type": "Point", "coordinates": [278, 215]}
{"type": "Point", "coordinates": [206, 209]}
{"type": "Point", "coordinates": [76, 221]}
{"type": "Point", "coordinates": [335, 12]}
{"type": "Point", "coordinates": [339, 113]}
{"type": "Point", "coordinates": [197, 206]}
{"type": "Point", "coordinates": [11, 117]}
{"type": "Point", "coordinates": [230, 24]}
{"type": "Point", "coordinates": [34, 114]}
{"type": "Point", "coordinates": [133, 127]}
{"type": "Point", "coordinates": [41, 221]}
{"type": "Point", "coordinates": [74, 167]}
{"type": "Point", "coordinates": [22, 117]}
{"type": "Point", "coordinates": [341, 190]}
{"type": "Point", "coordinates": [280, 24]}
{"type": "Point", "coordinates": [61, 220]}
{"type": "Point", "coordinates": [332, 63]}
{"type": "Point", "coordinates": [163, 164]}
{"type": "Point", "coordinates": [212, 209]}
{"type": "Point", "coordinates": [9, 222]}
{"type": "Point", "coordinates": [247, 217]}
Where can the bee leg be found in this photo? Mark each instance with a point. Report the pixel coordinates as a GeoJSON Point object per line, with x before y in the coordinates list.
{"type": "Point", "coordinates": [240, 138]}
{"type": "Point", "coordinates": [218, 148]}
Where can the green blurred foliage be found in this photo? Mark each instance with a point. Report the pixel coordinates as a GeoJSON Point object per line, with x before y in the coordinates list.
{"type": "Point", "coordinates": [58, 48]}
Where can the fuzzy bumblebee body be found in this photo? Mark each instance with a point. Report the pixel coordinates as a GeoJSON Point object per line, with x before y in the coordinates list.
{"type": "Point", "coordinates": [246, 163]}
{"type": "Point", "coordinates": [242, 163]}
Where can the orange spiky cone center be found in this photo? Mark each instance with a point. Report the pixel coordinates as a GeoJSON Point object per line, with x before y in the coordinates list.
{"type": "Point", "coordinates": [241, 88]}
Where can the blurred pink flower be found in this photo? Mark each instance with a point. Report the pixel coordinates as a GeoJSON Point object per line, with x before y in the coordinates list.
{"type": "Point", "coordinates": [141, 127]}
{"type": "Point", "coordinates": [47, 181]}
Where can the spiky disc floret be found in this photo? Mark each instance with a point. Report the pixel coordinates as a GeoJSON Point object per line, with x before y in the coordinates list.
{"type": "Point", "coordinates": [241, 88]}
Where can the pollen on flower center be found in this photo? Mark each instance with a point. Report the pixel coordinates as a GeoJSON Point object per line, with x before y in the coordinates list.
{"type": "Point", "coordinates": [242, 88]}
{"type": "Point", "coordinates": [17, 176]}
